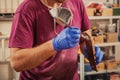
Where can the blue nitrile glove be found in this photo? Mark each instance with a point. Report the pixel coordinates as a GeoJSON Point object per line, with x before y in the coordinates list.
{"type": "Point", "coordinates": [67, 38]}
{"type": "Point", "coordinates": [99, 54]}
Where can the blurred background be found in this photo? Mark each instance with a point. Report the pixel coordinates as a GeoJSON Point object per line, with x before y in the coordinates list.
{"type": "Point", "coordinates": [105, 28]}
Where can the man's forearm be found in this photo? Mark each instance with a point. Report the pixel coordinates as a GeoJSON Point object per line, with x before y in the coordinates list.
{"type": "Point", "coordinates": [23, 59]}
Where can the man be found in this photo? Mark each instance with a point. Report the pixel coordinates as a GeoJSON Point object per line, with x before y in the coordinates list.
{"type": "Point", "coordinates": [36, 51]}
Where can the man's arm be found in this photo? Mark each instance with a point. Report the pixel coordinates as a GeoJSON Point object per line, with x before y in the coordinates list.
{"type": "Point", "coordinates": [23, 59]}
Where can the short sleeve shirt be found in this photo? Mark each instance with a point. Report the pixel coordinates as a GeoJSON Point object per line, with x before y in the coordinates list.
{"type": "Point", "coordinates": [33, 25]}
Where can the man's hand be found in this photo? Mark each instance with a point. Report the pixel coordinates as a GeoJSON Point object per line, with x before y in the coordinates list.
{"type": "Point", "coordinates": [99, 54]}
{"type": "Point", "coordinates": [67, 38]}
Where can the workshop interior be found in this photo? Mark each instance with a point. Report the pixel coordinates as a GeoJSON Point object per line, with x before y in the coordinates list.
{"type": "Point", "coordinates": [104, 16]}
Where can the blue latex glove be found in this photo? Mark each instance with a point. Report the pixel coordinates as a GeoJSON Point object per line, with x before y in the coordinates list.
{"type": "Point", "coordinates": [67, 38]}
{"type": "Point", "coordinates": [99, 54]}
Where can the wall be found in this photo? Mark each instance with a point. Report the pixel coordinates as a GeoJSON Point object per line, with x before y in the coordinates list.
{"type": "Point", "coordinates": [9, 6]}
{"type": "Point", "coordinates": [5, 27]}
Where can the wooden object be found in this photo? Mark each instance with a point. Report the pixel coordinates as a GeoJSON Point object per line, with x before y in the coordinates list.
{"type": "Point", "coordinates": [90, 11]}
{"type": "Point", "coordinates": [111, 65]}
{"type": "Point", "coordinates": [107, 12]}
{"type": "Point", "coordinates": [98, 39]}
{"type": "Point", "coordinates": [100, 66]}
{"type": "Point", "coordinates": [89, 42]}
{"type": "Point", "coordinates": [111, 37]}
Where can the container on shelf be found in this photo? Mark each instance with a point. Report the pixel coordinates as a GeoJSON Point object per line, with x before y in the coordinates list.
{"type": "Point", "coordinates": [114, 76]}
{"type": "Point", "coordinates": [111, 28]}
{"type": "Point", "coordinates": [116, 11]}
{"type": "Point", "coordinates": [90, 11]}
{"type": "Point", "coordinates": [98, 39]}
{"type": "Point", "coordinates": [87, 67]}
{"type": "Point", "coordinates": [111, 65]}
{"type": "Point", "coordinates": [107, 12]}
{"type": "Point", "coordinates": [101, 66]}
{"type": "Point", "coordinates": [111, 37]}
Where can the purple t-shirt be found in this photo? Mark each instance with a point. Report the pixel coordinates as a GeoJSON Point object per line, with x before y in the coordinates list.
{"type": "Point", "coordinates": [33, 25]}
